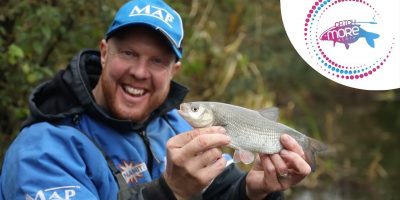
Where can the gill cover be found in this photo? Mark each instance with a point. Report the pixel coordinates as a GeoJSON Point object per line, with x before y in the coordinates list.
{"type": "Point", "coordinates": [199, 115]}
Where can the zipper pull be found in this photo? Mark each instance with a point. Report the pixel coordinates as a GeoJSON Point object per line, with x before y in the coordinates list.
{"type": "Point", "coordinates": [146, 141]}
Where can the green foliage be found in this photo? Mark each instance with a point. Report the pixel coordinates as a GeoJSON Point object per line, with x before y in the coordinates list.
{"type": "Point", "coordinates": [36, 39]}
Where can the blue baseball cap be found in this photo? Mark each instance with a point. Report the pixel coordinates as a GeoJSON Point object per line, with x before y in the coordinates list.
{"type": "Point", "coordinates": [154, 13]}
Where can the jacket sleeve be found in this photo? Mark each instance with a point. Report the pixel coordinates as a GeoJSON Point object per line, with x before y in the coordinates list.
{"type": "Point", "coordinates": [55, 162]}
{"type": "Point", "coordinates": [231, 185]}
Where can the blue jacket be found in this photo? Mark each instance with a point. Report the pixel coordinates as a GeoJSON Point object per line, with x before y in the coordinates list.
{"type": "Point", "coordinates": [70, 148]}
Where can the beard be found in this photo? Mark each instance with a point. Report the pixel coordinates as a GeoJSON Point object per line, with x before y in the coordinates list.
{"type": "Point", "coordinates": [123, 110]}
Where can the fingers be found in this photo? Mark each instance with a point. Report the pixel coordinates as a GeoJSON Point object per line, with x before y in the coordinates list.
{"type": "Point", "coordinates": [207, 174]}
{"type": "Point", "coordinates": [280, 164]}
{"type": "Point", "coordinates": [261, 179]}
{"type": "Point", "coordinates": [292, 145]}
{"type": "Point", "coordinates": [194, 160]}
{"type": "Point", "coordinates": [270, 173]}
{"type": "Point", "coordinates": [184, 138]}
{"type": "Point", "coordinates": [286, 168]}
{"type": "Point", "coordinates": [294, 161]}
{"type": "Point", "coordinates": [294, 156]}
{"type": "Point", "coordinates": [269, 168]}
{"type": "Point", "coordinates": [277, 172]}
{"type": "Point", "coordinates": [204, 142]}
{"type": "Point", "coordinates": [204, 159]}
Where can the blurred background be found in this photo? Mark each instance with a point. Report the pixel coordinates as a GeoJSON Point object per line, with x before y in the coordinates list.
{"type": "Point", "coordinates": [235, 52]}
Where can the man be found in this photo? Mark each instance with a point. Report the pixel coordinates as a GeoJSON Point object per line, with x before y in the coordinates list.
{"type": "Point", "coordinates": [106, 127]}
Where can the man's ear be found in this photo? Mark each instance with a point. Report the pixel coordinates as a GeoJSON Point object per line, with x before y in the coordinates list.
{"type": "Point", "coordinates": [103, 52]}
{"type": "Point", "coordinates": [177, 66]}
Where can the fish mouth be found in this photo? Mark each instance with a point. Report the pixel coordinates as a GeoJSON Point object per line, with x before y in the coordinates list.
{"type": "Point", "coordinates": [183, 109]}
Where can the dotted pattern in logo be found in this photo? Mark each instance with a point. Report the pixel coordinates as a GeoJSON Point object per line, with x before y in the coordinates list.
{"type": "Point", "coordinates": [331, 67]}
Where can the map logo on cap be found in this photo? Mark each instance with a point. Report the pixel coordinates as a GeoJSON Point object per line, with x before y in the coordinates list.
{"type": "Point", "coordinates": [154, 13]}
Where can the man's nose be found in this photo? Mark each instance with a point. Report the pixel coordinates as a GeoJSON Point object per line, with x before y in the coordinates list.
{"type": "Point", "coordinates": [140, 69]}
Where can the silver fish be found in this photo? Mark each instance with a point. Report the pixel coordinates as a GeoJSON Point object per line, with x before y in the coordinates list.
{"type": "Point", "coordinates": [250, 130]}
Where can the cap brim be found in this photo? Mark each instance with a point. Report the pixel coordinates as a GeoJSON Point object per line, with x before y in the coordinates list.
{"type": "Point", "coordinates": [177, 50]}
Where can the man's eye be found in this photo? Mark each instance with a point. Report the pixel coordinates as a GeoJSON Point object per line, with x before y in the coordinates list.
{"type": "Point", "coordinates": [127, 54]}
{"type": "Point", "coordinates": [157, 60]}
{"type": "Point", "coordinates": [159, 63]}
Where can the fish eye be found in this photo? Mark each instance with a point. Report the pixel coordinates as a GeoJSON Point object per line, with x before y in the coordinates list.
{"type": "Point", "coordinates": [195, 109]}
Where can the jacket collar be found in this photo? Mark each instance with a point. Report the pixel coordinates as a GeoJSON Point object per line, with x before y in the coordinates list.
{"type": "Point", "coordinates": [76, 83]}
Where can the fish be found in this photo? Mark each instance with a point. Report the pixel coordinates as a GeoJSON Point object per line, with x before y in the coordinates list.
{"type": "Point", "coordinates": [348, 33]}
{"type": "Point", "coordinates": [251, 131]}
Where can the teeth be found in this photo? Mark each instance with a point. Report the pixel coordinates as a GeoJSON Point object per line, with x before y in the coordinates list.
{"type": "Point", "coordinates": [134, 91]}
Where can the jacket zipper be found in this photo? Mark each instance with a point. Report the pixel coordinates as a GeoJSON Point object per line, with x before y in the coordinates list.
{"type": "Point", "coordinates": [150, 154]}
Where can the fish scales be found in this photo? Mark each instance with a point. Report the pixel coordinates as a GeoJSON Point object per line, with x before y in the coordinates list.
{"type": "Point", "coordinates": [250, 130]}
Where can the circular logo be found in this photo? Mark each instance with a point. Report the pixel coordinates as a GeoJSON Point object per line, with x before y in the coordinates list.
{"type": "Point", "coordinates": [352, 42]}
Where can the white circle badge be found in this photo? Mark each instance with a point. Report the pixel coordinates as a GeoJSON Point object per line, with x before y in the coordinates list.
{"type": "Point", "coordinates": [352, 42]}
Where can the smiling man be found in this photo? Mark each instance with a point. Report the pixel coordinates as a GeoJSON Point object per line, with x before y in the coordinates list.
{"type": "Point", "coordinates": [138, 66]}
{"type": "Point", "coordinates": [106, 127]}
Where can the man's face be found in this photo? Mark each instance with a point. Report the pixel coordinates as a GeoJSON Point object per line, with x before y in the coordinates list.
{"type": "Point", "coordinates": [138, 66]}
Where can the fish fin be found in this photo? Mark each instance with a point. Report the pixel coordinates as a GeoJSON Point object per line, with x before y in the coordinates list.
{"type": "Point", "coordinates": [236, 156]}
{"type": "Point", "coordinates": [370, 42]}
{"type": "Point", "coordinates": [270, 113]}
{"type": "Point", "coordinates": [347, 45]}
{"type": "Point", "coordinates": [314, 146]}
{"type": "Point", "coordinates": [247, 157]}
{"type": "Point", "coordinates": [370, 39]}
{"type": "Point", "coordinates": [374, 35]}
{"type": "Point", "coordinates": [223, 124]}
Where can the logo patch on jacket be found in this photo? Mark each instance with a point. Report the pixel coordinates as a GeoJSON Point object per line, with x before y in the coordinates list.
{"type": "Point", "coordinates": [131, 172]}
{"type": "Point", "coordinates": [55, 193]}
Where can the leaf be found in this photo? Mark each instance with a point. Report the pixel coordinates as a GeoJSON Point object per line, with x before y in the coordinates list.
{"type": "Point", "coordinates": [14, 53]}
{"type": "Point", "coordinates": [46, 32]}
{"type": "Point", "coordinates": [25, 68]}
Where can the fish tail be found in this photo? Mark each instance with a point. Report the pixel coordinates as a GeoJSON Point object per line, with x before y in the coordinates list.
{"type": "Point", "coordinates": [369, 37]}
{"type": "Point", "coordinates": [314, 146]}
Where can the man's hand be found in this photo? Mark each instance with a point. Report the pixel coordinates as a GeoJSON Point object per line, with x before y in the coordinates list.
{"type": "Point", "coordinates": [194, 159]}
{"type": "Point", "coordinates": [277, 172]}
